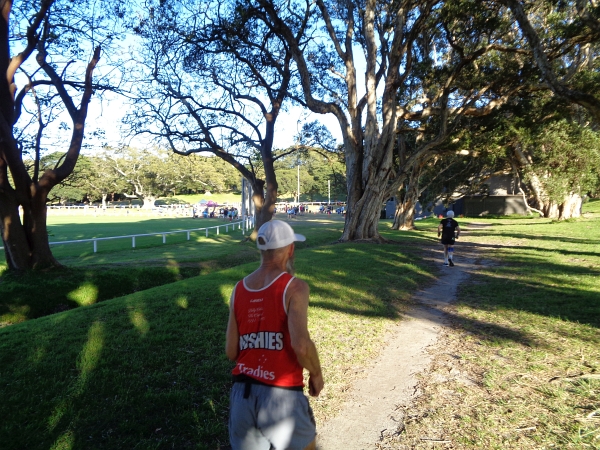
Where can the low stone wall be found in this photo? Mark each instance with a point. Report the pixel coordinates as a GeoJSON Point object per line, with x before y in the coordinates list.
{"type": "Point", "coordinates": [494, 204]}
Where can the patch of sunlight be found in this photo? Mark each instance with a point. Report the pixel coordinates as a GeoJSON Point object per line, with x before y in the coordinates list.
{"type": "Point", "coordinates": [226, 291]}
{"type": "Point", "coordinates": [139, 321]}
{"type": "Point", "coordinates": [19, 309]}
{"type": "Point", "coordinates": [16, 314]}
{"type": "Point", "coordinates": [173, 266]}
{"type": "Point", "coordinates": [354, 250]}
{"type": "Point", "coordinates": [86, 362]}
{"type": "Point", "coordinates": [351, 294]}
{"type": "Point", "coordinates": [324, 251]}
{"type": "Point", "coordinates": [90, 354]}
{"type": "Point", "coordinates": [182, 302]}
{"type": "Point", "coordinates": [84, 295]}
{"type": "Point", "coordinates": [58, 414]}
{"type": "Point", "coordinates": [339, 272]}
{"type": "Point", "coordinates": [65, 441]}
{"type": "Point", "coordinates": [37, 355]}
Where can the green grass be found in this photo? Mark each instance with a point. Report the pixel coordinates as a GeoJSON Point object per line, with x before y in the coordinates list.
{"type": "Point", "coordinates": [527, 340]}
{"type": "Point", "coordinates": [117, 269]}
{"type": "Point", "coordinates": [148, 370]}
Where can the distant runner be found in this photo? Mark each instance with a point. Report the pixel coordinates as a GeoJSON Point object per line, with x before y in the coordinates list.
{"type": "Point", "coordinates": [449, 230]}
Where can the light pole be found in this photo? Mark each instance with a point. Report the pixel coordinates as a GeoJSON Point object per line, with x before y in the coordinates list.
{"type": "Point", "coordinates": [329, 192]}
{"type": "Point", "coordinates": [298, 198]}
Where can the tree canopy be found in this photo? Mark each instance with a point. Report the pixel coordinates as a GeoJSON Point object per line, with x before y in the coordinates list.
{"type": "Point", "coordinates": [512, 83]}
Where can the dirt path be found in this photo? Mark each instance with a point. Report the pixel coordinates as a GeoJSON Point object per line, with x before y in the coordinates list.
{"type": "Point", "coordinates": [371, 412]}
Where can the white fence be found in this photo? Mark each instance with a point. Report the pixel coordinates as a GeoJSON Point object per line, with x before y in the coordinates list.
{"type": "Point", "coordinates": [243, 225]}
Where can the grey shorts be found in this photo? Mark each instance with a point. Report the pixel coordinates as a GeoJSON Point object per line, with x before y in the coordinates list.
{"type": "Point", "coordinates": [270, 417]}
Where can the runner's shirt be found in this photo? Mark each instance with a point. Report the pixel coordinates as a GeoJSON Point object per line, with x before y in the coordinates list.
{"type": "Point", "coordinates": [266, 352]}
{"type": "Point", "coordinates": [448, 227]}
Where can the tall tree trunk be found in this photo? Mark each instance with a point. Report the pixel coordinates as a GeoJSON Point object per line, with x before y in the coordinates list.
{"type": "Point", "coordinates": [25, 238]}
{"type": "Point", "coordinates": [545, 205]}
{"type": "Point", "coordinates": [571, 207]}
{"type": "Point", "coordinates": [263, 209]}
{"type": "Point", "coordinates": [404, 218]}
{"type": "Point", "coordinates": [149, 201]}
{"type": "Point", "coordinates": [405, 212]}
{"type": "Point", "coordinates": [34, 221]}
{"type": "Point", "coordinates": [16, 247]}
{"type": "Point", "coordinates": [362, 217]}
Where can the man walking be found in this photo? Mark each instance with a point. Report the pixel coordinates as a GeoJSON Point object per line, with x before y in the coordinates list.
{"type": "Point", "coordinates": [267, 336]}
{"type": "Point", "coordinates": [449, 230]}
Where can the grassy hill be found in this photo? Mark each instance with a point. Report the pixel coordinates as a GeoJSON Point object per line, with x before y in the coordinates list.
{"type": "Point", "coordinates": [147, 370]}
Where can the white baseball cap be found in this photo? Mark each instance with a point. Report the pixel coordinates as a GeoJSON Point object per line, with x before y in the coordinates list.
{"type": "Point", "coordinates": [450, 214]}
{"type": "Point", "coordinates": [276, 234]}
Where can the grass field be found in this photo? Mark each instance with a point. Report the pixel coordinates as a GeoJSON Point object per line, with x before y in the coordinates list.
{"type": "Point", "coordinates": [117, 269]}
{"type": "Point", "coordinates": [147, 370]}
{"type": "Point", "coordinates": [522, 369]}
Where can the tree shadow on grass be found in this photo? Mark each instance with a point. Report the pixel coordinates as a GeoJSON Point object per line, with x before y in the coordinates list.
{"type": "Point", "coordinates": [562, 251]}
{"type": "Point", "coordinates": [382, 278]}
{"type": "Point", "coordinates": [528, 283]}
{"type": "Point", "coordinates": [144, 371]}
{"type": "Point", "coordinates": [536, 237]}
{"type": "Point", "coordinates": [26, 296]}
{"type": "Point", "coordinates": [149, 370]}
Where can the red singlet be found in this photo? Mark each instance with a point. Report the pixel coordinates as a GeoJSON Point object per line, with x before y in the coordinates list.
{"type": "Point", "coordinates": [266, 352]}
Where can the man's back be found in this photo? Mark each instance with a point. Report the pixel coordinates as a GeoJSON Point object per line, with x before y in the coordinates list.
{"type": "Point", "coordinates": [267, 336]}
{"type": "Point", "coordinates": [265, 349]}
{"type": "Point", "coordinates": [448, 228]}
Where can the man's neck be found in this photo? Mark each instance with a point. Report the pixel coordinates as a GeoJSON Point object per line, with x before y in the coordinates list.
{"type": "Point", "coordinates": [264, 275]}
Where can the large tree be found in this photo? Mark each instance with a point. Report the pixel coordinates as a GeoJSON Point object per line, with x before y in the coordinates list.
{"type": "Point", "coordinates": [148, 175]}
{"type": "Point", "coordinates": [422, 73]}
{"type": "Point", "coordinates": [552, 152]}
{"type": "Point", "coordinates": [52, 48]}
{"type": "Point", "coordinates": [563, 37]}
{"type": "Point", "coordinates": [99, 179]}
{"type": "Point", "coordinates": [215, 80]}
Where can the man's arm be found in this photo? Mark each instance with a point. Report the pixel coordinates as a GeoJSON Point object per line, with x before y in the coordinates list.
{"type": "Point", "coordinates": [304, 347]}
{"type": "Point", "coordinates": [232, 338]}
{"type": "Point", "coordinates": [440, 228]}
{"type": "Point", "coordinates": [457, 231]}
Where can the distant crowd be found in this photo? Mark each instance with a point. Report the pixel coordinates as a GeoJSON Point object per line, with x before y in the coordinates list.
{"type": "Point", "coordinates": [299, 210]}
{"type": "Point", "coordinates": [224, 212]}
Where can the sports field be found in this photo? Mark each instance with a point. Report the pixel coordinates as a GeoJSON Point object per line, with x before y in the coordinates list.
{"type": "Point", "coordinates": [147, 369]}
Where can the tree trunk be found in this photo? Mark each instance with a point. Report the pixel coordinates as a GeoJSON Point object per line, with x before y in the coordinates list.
{"type": "Point", "coordinates": [264, 205]}
{"type": "Point", "coordinates": [25, 239]}
{"type": "Point", "coordinates": [16, 247]}
{"type": "Point", "coordinates": [148, 202]}
{"type": "Point", "coordinates": [405, 213]}
{"type": "Point", "coordinates": [404, 218]}
{"type": "Point", "coordinates": [571, 207]}
{"type": "Point", "coordinates": [362, 217]}
{"type": "Point", "coordinates": [35, 223]}
{"type": "Point", "coordinates": [545, 205]}
{"type": "Point", "coordinates": [550, 209]}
